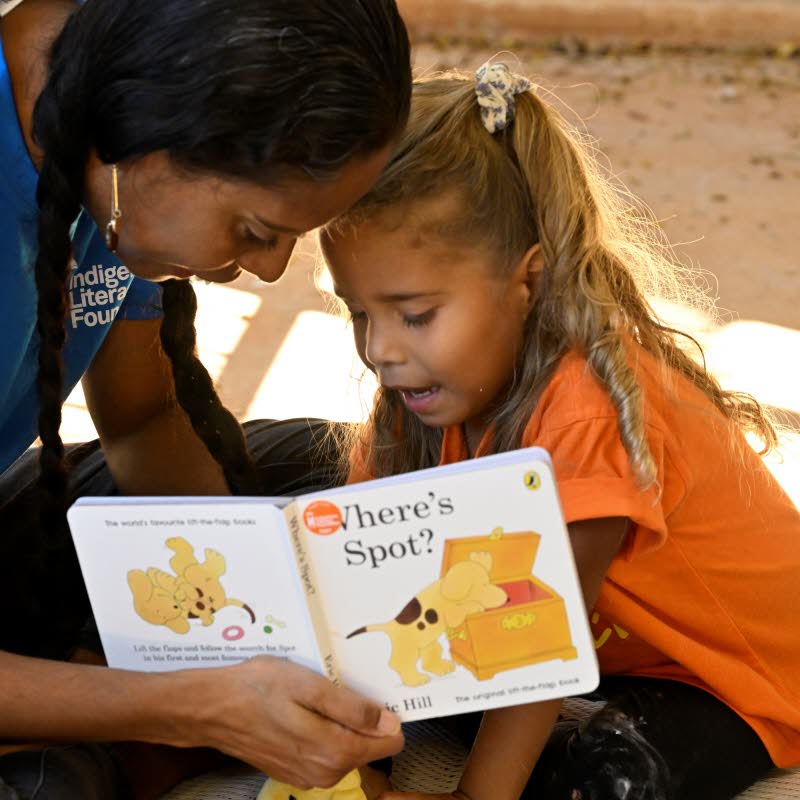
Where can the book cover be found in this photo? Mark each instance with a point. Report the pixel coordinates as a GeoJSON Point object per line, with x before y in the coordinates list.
{"type": "Point", "coordinates": [454, 591]}
{"type": "Point", "coordinates": [437, 592]}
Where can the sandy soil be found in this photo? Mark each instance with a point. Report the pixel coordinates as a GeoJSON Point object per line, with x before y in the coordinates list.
{"type": "Point", "coordinates": [710, 142]}
{"type": "Point", "coordinates": [717, 23]}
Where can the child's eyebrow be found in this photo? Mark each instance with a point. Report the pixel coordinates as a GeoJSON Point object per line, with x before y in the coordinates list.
{"type": "Point", "coordinates": [399, 297]}
{"type": "Point", "coordinates": [391, 297]}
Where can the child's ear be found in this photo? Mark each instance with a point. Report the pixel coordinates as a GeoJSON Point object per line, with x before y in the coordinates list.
{"type": "Point", "coordinates": [527, 272]}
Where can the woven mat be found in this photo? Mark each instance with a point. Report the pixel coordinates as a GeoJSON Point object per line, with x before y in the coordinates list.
{"type": "Point", "coordinates": [432, 761]}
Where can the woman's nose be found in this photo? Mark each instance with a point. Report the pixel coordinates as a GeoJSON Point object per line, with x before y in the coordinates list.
{"type": "Point", "coordinates": [268, 265]}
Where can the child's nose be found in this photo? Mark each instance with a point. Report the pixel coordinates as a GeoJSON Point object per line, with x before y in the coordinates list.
{"type": "Point", "coordinates": [383, 349]}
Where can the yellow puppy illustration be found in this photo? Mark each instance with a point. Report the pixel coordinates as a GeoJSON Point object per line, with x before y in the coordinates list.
{"type": "Point", "coordinates": [465, 589]}
{"type": "Point", "coordinates": [348, 788]}
{"type": "Point", "coordinates": [200, 582]}
{"type": "Point", "coordinates": [157, 599]}
{"type": "Point", "coordinates": [194, 592]}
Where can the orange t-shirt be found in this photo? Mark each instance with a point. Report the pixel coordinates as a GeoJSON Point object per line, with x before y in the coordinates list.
{"type": "Point", "coordinates": [705, 588]}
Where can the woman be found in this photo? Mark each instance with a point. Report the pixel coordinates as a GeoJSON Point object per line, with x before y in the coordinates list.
{"type": "Point", "coordinates": [188, 137]}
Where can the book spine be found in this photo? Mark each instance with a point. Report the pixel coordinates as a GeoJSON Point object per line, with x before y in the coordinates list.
{"type": "Point", "coordinates": [311, 591]}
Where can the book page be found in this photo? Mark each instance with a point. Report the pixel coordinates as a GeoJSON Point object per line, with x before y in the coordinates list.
{"type": "Point", "coordinates": [452, 593]}
{"type": "Point", "coordinates": [184, 583]}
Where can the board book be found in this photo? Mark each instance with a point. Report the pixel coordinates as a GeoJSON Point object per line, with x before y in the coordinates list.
{"type": "Point", "coordinates": [437, 592]}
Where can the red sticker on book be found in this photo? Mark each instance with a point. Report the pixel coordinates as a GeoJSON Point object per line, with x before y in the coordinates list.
{"type": "Point", "coordinates": [322, 517]}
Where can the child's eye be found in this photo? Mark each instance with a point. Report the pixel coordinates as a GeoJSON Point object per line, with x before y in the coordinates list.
{"type": "Point", "coordinates": [356, 316]}
{"type": "Point", "coordinates": [418, 320]}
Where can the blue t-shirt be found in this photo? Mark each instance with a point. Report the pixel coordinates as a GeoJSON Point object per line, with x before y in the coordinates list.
{"type": "Point", "coordinates": [100, 289]}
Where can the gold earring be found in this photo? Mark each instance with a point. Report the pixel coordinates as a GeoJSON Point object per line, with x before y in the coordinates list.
{"type": "Point", "coordinates": [112, 235]}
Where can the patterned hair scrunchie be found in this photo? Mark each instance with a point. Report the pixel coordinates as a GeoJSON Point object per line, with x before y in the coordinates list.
{"type": "Point", "coordinates": [496, 86]}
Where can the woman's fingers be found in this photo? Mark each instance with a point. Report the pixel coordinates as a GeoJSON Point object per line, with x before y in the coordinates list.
{"type": "Point", "coordinates": [292, 723]}
{"type": "Point", "coordinates": [349, 709]}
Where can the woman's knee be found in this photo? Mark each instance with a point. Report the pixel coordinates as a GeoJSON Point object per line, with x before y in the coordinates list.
{"type": "Point", "coordinates": [70, 772]}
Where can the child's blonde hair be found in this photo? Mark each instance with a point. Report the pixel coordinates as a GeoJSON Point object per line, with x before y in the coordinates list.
{"type": "Point", "coordinates": [536, 182]}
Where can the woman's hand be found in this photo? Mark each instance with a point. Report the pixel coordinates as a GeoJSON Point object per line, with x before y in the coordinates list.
{"type": "Point", "coordinates": [285, 720]}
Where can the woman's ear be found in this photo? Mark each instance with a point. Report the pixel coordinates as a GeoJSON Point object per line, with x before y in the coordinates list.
{"type": "Point", "coordinates": [527, 272]}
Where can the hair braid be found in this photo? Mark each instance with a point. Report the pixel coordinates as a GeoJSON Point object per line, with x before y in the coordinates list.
{"type": "Point", "coordinates": [52, 266]}
{"type": "Point", "coordinates": [58, 130]}
{"type": "Point", "coordinates": [213, 423]}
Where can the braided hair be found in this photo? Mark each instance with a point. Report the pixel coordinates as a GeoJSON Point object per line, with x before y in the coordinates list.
{"type": "Point", "coordinates": [235, 88]}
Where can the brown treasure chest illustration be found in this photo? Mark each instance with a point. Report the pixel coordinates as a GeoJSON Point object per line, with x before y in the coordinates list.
{"type": "Point", "coordinates": [531, 627]}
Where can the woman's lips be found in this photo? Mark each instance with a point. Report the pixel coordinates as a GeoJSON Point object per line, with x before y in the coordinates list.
{"type": "Point", "coordinates": [180, 272]}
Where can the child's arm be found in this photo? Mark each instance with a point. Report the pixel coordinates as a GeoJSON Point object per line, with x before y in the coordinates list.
{"type": "Point", "coordinates": [506, 750]}
{"type": "Point", "coordinates": [510, 739]}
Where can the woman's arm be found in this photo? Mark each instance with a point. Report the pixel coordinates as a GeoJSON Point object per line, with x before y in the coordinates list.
{"type": "Point", "coordinates": [44, 700]}
{"type": "Point", "coordinates": [148, 441]}
{"type": "Point", "coordinates": [281, 718]}
{"type": "Point", "coordinates": [510, 740]}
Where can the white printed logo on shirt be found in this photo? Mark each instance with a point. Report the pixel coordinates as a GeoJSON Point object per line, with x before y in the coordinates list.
{"type": "Point", "coordinates": [96, 293]}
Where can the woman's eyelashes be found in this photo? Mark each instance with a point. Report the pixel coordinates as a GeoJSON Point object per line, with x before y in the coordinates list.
{"type": "Point", "coordinates": [253, 239]}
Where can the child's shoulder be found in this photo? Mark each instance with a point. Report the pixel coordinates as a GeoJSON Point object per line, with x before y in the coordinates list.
{"type": "Point", "coordinates": [575, 393]}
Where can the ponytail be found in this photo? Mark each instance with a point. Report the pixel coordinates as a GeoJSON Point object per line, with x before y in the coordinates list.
{"type": "Point", "coordinates": [533, 182]}
{"type": "Point", "coordinates": [586, 298]}
{"type": "Point", "coordinates": [603, 256]}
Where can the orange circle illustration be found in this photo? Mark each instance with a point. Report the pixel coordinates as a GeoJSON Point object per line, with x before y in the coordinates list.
{"type": "Point", "coordinates": [322, 517]}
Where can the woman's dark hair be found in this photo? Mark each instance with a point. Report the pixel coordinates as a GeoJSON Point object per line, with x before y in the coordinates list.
{"type": "Point", "coordinates": [248, 89]}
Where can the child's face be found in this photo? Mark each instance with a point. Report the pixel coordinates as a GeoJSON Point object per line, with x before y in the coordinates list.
{"type": "Point", "coordinates": [433, 321]}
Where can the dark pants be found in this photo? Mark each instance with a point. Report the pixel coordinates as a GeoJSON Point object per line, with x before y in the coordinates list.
{"type": "Point", "coordinates": [292, 456]}
{"type": "Point", "coordinates": [651, 740]}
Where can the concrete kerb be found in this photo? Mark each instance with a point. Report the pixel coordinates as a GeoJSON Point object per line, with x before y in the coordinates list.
{"type": "Point", "coordinates": [737, 24]}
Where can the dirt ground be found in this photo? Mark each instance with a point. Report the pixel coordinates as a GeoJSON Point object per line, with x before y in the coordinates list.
{"type": "Point", "coordinates": [711, 141]}
{"type": "Point", "coordinates": [718, 23]}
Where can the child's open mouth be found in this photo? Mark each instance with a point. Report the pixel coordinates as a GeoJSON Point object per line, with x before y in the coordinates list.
{"type": "Point", "coordinates": [419, 400]}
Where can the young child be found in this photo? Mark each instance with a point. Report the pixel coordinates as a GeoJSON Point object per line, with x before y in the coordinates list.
{"type": "Point", "coordinates": [497, 286]}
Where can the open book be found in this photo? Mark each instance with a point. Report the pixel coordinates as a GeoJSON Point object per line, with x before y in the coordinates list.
{"type": "Point", "coordinates": [437, 592]}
